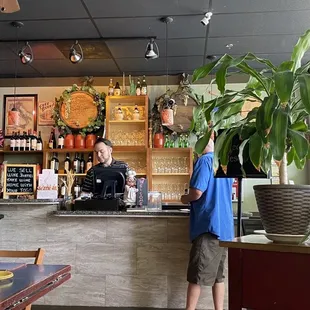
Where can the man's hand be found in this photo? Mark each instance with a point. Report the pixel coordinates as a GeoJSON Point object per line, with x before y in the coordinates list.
{"type": "Point", "coordinates": [194, 194]}
{"type": "Point", "coordinates": [184, 199]}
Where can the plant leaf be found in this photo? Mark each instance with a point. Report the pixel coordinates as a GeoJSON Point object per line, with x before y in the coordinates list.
{"type": "Point", "coordinates": [256, 150]}
{"type": "Point", "coordinates": [300, 143]}
{"type": "Point", "coordinates": [241, 148]}
{"type": "Point", "coordinates": [286, 65]}
{"type": "Point", "coordinates": [300, 164]}
{"type": "Point", "coordinates": [290, 156]}
{"type": "Point", "coordinates": [284, 82]}
{"type": "Point", "coordinates": [226, 149]}
{"type": "Point", "coordinates": [203, 142]}
{"type": "Point", "coordinates": [270, 104]}
{"type": "Point", "coordinates": [304, 82]}
{"type": "Point", "coordinates": [278, 133]}
{"type": "Point", "coordinates": [266, 161]}
{"type": "Point", "coordinates": [205, 70]}
{"type": "Point", "coordinates": [218, 148]}
{"type": "Point", "coordinates": [299, 50]}
{"type": "Point", "coordinates": [299, 126]}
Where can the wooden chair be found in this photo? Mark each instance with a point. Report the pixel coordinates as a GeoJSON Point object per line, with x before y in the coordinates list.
{"type": "Point", "coordinates": [37, 255]}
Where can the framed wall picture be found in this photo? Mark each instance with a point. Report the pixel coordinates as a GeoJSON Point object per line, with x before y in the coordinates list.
{"type": "Point", "coordinates": [20, 113]}
{"type": "Point", "coordinates": [45, 113]}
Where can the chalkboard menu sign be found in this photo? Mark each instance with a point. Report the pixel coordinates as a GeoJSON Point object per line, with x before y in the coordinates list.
{"type": "Point", "coordinates": [19, 179]}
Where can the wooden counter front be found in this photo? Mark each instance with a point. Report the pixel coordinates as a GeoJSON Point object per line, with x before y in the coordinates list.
{"type": "Point", "coordinates": [264, 275]}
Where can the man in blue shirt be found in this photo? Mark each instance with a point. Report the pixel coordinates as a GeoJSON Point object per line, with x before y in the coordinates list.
{"type": "Point", "coordinates": [211, 220]}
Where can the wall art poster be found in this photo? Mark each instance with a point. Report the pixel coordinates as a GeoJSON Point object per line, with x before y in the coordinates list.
{"type": "Point", "coordinates": [45, 113]}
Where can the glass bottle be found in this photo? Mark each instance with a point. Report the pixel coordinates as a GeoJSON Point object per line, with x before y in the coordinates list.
{"type": "Point", "coordinates": [77, 189]}
{"type": "Point", "coordinates": [167, 142]}
{"type": "Point", "coordinates": [63, 191]}
{"type": "Point", "coordinates": [61, 141]}
{"type": "Point", "coordinates": [89, 163]}
{"type": "Point", "coordinates": [17, 141]}
{"type": "Point", "coordinates": [67, 163]}
{"type": "Point", "coordinates": [39, 142]}
{"type": "Point", "coordinates": [55, 163]}
{"type": "Point", "coordinates": [28, 141]}
{"type": "Point", "coordinates": [34, 142]}
{"type": "Point", "coordinates": [82, 164]}
{"type": "Point", "coordinates": [23, 141]}
{"type": "Point", "coordinates": [12, 142]}
{"type": "Point", "coordinates": [136, 114]}
{"type": "Point", "coordinates": [143, 86]}
{"type": "Point", "coordinates": [138, 88]}
{"type": "Point", "coordinates": [111, 88]}
{"type": "Point", "coordinates": [117, 90]}
{"type": "Point", "coordinates": [76, 164]}
{"type": "Point", "coordinates": [52, 140]}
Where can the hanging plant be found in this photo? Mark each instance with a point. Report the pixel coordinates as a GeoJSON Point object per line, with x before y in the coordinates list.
{"type": "Point", "coordinates": [63, 108]}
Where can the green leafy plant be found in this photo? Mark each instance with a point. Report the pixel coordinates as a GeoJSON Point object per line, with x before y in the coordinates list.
{"type": "Point", "coordinates": [277, 128]}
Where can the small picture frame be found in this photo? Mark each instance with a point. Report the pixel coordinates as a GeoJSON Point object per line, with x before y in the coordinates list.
{"type": "Point", "coordinates": [20, 113]}
{"type": "Point", "coordinates": [45, 113]}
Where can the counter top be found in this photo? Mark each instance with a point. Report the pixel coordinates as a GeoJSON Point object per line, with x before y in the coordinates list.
{"type": "Point", "coordinates": [131, 214]}
{"type": "Point", "coordinates": [29, 202]}
{"type": "Point", "coordinates": [261, 243]}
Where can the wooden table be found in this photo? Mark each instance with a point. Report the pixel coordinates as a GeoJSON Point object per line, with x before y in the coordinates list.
{"type": "Point", "coordinates": [264, 275]}
{"type": "Point", "coordinates": [30, 282]}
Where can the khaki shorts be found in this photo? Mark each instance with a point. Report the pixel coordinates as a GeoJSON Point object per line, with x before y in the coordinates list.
{"type": "Point", "coordinates": [207, 259]}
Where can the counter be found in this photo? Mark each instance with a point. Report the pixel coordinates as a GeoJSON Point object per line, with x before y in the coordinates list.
{"type": "Point", "coordinates": [118, 259]}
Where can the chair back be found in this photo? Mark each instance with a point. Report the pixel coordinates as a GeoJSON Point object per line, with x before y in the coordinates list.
{"type": "Point", "coordinates": [37, 255]}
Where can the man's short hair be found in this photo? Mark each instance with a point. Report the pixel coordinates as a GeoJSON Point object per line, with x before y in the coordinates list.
{"type": "Point", "coordinates": [105, 141]}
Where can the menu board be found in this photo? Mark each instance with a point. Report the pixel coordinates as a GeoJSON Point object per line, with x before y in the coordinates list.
{"type": "Point", "coordinates": [19, 179]}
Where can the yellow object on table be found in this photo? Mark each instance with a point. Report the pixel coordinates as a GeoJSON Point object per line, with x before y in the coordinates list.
{"type": "Point", "coordinates": [5, 274]}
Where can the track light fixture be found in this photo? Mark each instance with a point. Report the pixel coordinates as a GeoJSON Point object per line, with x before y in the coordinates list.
{"type": "Point", "coordinates": [74, 55]}
{"type": "Point", "coordinates": [26, 57]}
{"type": "Point", "coordinates": [206, 19]}
{"type": "Point", "coordinates": [151, 51]}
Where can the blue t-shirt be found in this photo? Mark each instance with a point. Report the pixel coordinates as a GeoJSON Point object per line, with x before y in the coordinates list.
{"type": "Point", "coordinates": [212, 212]}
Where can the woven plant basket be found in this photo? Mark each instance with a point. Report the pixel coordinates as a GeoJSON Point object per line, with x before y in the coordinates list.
{"type": "Point", "coordinates": [284, 209]}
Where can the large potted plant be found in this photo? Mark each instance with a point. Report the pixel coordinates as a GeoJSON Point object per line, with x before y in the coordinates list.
{"type": "Point", "coordinates": [275, 130]}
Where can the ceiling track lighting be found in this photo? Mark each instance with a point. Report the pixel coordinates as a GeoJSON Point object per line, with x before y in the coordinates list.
{"type": "Point", "coordinates": [76, 56]}
{"type": "Point", "coordinates": [206, 19]}
{"type": "Point", "coordinates": [26, 57]}
{"type": "Point", "coordinates": [152, 50]}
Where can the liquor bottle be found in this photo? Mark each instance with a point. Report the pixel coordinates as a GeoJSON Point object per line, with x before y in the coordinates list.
{"type": "Point", "coordinates": [52, 140]}
{"type": "Point", "coordinates": [67, 163]}
{"type": "Point", "coordinates": [17, 141]}
{"type": "Point", "coordinates": [23, 141]}
{"type": "Point", "coordinates": [55, 163]}
{"type": "Point", "coordinates": [39, 142]}
{"type": "Point", "coordinates": [89, 163]}
{"type": "Point", "coordinates": [117, 90]}
{"type": "Point", "coordinates": [82, 164]}
{"type": "Point", "coordinates": [34, 141]}
{"type": "Point", "coordinates": [77, 190]}
{"type": "Point", "coordinates": [28, 141]}
{"type": "Point", "coordinates": [143, 86]}
{"type": "Point", "coordinates": [12, 142]}
{"type": "Point", "coordinates": [63, 190]}
{"type": "Point", "coordinates": [61, 141]}
{"type": "Point", "coordinates": [76, 164]}
{"type": "Point", "coordinates": [138, 88]}
{"type": "Point", "coordinates": [111, 88]}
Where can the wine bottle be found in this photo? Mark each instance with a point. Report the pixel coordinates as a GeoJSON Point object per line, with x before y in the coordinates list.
{"type": "Point", "coordinates": [117, 90]}
{"type": "Point", "coordinates": [39, 142]}
{"type": "Point", "coordinates": [12, 142]}
{"type": "Point", "coordinates": [138, 88]}
{"type": "Point", "coordinates": [76, 189]}
{"type": "Point", "coordinates": [67, 163]}
{"type": "Point", "coordinates": [63, 191]}
{"type": "Point", "coordinates": [52, 140]}
{"type": "Point", "coordinates": [89, 163]}
{"type": "Point", "coordinates": [111, 88]}
{"type": "Point", "coordinates": [143, 86]}
{"type": "Point", "coordinates": [17, 141]}
{"type": "Point", "coordinates": [23, 141]}
{"type": "Point", "coordinates": [76, 164]}
{"type": "Point", "coordinates": [54, 163]}
{"type": "Point", "coordinates": [28, 141]}
{"type": "Point", "coordinates": [61, 141]}
{"type": "Point", "coordinates": [34, 141]}
{"type": "Point", "coordinates": [82, 164]}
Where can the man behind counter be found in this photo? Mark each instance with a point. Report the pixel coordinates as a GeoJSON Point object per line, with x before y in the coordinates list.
{"type": "Point", "coordinates": [103, 149]}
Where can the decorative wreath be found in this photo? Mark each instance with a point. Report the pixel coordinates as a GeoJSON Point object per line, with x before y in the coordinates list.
{"type": "Point", "coordinates": [99, 101]}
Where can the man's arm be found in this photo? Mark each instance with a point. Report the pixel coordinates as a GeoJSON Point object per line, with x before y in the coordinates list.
{"type": "Point", "coordinates": [88, 182]}
{"type": "Point", "coordinates": [193, 195]}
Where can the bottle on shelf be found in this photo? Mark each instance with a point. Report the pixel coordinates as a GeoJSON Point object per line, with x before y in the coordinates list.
{"type": "Point", "coordinates": [117, 90]}
{"type": "Point", "coordinates": [52, 140]}
{"type": "Point", "coordinates": [28, 141]}
{"type": "Point", "coordinates": [89, 163]}
{"type": "Point", "coordinates": [61, 141]}
{"type": "Point", "coordinates": [138, 88]}
{"type": "Point", "coordinates": [34, 142]}
{"type": "Point", "coordinates": [63, 191]}
{"type": "Point", "coordinates": [67, 163]}
{"type": "Point", "coordinates": [12, 142]}
{"type": "Point", "coordinates": [76, 164]}
{"type": "Point", "coordinates": [39, 142]}
{"type": "Point", "coordinates": [55, 163]}
{"type": "Point", "coordinates": [136, 113]}
{"type": "Point", "coordinates": [77, 189]}
{"type": "Point", "coordinates": [17, 141]}
{"type": "Point", "coordinates": [143, 86]}
{"type": "Point", "coordinates": [111, 88]}
{"type": "Point", "coordinates": [82, 164]}
{"type": "Point", "coordinates": [23, 141]}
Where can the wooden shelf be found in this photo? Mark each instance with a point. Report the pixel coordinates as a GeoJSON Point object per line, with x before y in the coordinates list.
{"type": "Point", "coordinates": [172, 149]}
{"type": "Point", "coordinates": [171, 174]}
{"type": "Point", "coordinates": [128, 121]}
{"type": "Point", "coordinates": [77, 175]}
{"type": "Point", "coordinates": [20, 152]}
{"type": "Point", "coordinates": [69, 150]}
{"type": "Point", "coordinates": [124, 148]}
